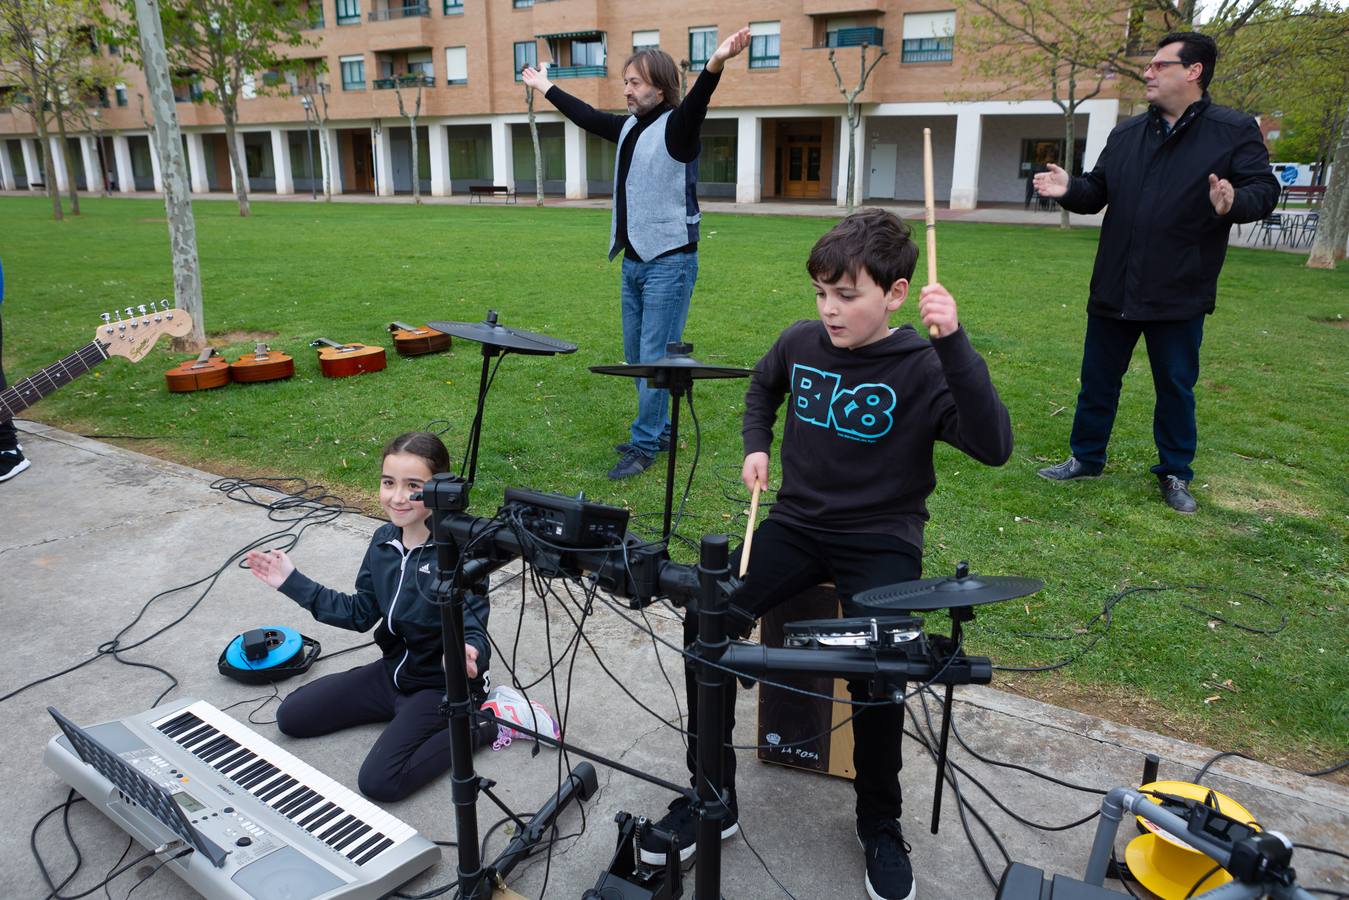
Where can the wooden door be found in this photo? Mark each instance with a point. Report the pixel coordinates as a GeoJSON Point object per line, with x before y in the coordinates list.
{"type": "Point", "coordinates": [802, 155]}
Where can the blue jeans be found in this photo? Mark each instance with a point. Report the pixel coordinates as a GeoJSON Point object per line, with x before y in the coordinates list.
{"type": "Point", "coordinates": [655, 298]}
{"type": "Point", "coordinates": [1173, 351]}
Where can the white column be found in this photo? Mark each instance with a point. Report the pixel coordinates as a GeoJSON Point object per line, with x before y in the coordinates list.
{"type": "Point", "coordinates": [243, 162]}
{"type": "Point", "coordinates": [965, 164]}
{"type": "Point", "coordinates": [748, 159]}
{"type": "Point", "coordinates": [503, 159]}
{"type": "Point", "coordinates": [281, 161]}
{"type": "Point", "coordinates": [196, 163]}
{"type": "Point", "coordinates": [121, 158]}
{"type": "Point", "coordinates": [92, 167]}
{"type": "Point", "coordinates": [1104, 115]}
{"type": "Point", "coordinates": [58, 164]}
{"type": "Point", "coordinates": [859, 146]}
{"type": "Point", "coordinates": [383, 162]}
{"type": "Point", "coordinates": [32, 161]}
{"type": "Point", "coordinates": [332, 159]}
{"type": "Point", "coordinates": [438, 145]}
{"type": "Point", "coordinates": [155, 171]}
{"type": "Point", "coordinates": [574, 140]}
{"type": "Point", "coordinates": [6, 169]}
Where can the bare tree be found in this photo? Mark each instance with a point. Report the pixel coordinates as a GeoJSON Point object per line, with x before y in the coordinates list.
{"type": "Point", "coordinates": [321, 117]}
{"type": "Point", "coordinates": [412, 121]}
{"type": "Point", "coordinates": [534, 135]}
{"type": "Point", "coordinates": [854, 114]}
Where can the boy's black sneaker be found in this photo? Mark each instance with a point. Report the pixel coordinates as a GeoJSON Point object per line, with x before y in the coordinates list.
{"type": "Point", "coordinates": [1176, 493]}
{"type": "Point", "coordinates": [634, 462]}
{"type": "Point", "coordinates": [12, 462]}
{"type": "Point", "coordinates": [889, 873]}
{"type": "Point", "coordinates": [681, 822]}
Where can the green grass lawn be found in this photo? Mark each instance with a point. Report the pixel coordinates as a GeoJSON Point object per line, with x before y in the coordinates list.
{"type": "Point", "coordinates": [1271, 483]}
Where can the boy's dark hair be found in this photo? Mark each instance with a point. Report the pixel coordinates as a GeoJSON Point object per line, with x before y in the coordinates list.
{"type": "Point", "coordinates": [658, 69]}
{"type": "Point", "coordinates": [1195, 48]}
{"type": "Point", "coordinates": [423, 444]}
{"type": "Point", "coordinates": [870, 239]}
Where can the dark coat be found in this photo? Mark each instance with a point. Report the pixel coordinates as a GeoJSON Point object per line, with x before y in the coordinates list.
{"type": "Point", "coordinates": [1162, 245]}
{"type": "Point", "coordinates": [393, 596]}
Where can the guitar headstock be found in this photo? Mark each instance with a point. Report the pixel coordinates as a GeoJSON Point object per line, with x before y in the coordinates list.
{"type": "Point", "coordinates": [133, 334]}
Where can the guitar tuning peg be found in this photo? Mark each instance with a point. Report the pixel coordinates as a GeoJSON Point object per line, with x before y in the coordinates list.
{"type": "Point", "coordinates": [106, 317]}
{"type": "Point", "coordinates": [163, 304]}
{"type": "Point", "coordinates": [118, 314]}
{"type": "Point", "coordinates": [130, 313]}
{"type": "Point", "coordinates": [141, 307]}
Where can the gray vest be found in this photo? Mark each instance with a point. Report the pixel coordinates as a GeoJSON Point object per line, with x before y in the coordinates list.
{"type": "Point", "coordinates": [661, 195]}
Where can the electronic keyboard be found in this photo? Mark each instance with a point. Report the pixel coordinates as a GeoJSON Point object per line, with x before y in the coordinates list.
{"type": "Point", "coordinates": [286, 830]}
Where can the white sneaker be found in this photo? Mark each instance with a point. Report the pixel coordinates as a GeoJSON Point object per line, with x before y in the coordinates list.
{"type": "Point", "coordinates": [507, 703]}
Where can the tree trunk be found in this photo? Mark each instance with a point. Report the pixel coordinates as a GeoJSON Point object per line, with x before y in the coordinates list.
{"type": "Point", "coordinates": [416, 161]}
{"type": "Point", "coordinates": [71, 186]}
{"type": "Point", "coordinates": [1069, 140]}
{"type": "Point", "coordinates": [538, 155]}
{"type": "Point", "coordinates": [852, 152]}
{"type": "Point", "coordinates": [48, 164]}
{"type": "Point", "coordinates": [1333, 228]}
{"type": "Point", "coordinates": [236, 164]}
{"type": "Point", "coordinates": [325, 162]}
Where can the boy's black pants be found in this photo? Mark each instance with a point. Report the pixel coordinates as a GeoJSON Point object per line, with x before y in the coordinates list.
{"type": "Point", "coordinates": [784, 561]}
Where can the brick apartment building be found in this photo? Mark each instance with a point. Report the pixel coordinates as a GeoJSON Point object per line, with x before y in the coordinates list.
{"type": "Point", "coordinates": [776, 129]}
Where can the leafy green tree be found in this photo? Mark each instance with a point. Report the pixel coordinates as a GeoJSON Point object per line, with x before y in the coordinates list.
{"type": "Point", "coordinates": [228, 44]}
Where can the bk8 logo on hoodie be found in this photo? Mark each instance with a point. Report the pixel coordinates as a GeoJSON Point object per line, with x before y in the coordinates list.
{"type": "Point", "coordinates": [860, 413]}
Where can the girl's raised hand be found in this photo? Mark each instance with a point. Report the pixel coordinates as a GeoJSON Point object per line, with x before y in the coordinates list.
{"type": "Point", "coordinates": [271, 567]}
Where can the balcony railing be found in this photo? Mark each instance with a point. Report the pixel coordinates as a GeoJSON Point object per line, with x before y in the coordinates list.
{"type": "Point", "coordinates": [920, 50]}
{"type": "Point", "coordinates": [407, 11]}
{"type": "Point", "coordinates": [855, 37]}
{"type": "Point", "coordinates": [388, 84]}
{"type": "Point", "coordinates": [578, 71]}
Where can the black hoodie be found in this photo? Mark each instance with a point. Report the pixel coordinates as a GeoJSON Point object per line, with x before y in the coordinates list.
{"type": "Point", "coordinates": [393, 590]}
{"type": "Point", "coordinates": [857, 444]}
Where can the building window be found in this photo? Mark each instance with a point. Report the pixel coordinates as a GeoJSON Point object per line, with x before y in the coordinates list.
{"type": "Point", "coordinates": [702, 43]}
{"type": "Point", "coordinates": [454, 7]}
{"type": "Point", "coordinates": [1038, 153]}
{"type": "Point", "coordinates": [764, 38]}
{"type": "Point", "coordinates": [348, 12]}
{"type": "Point", "coordinates": [929, 37]}
{"type": "Point", "coordinates": [522, 4]}
{"type": "Point", "coordinates": [642, 40]}
{"type": "Point", "coordinates": [526, 54]}
{"type": "Point", "coordinates": [456, 65]}
{"type": "Point", "coordinates": [113, 49]}
{"type": "Point", "coordinates": [353, 73]}
{"type": "Point", "coordinates": [587, 53]}
{"type": "Point", "coordinates": [120, 91]}
{"type": "Point", "coordinates": [419, 63]}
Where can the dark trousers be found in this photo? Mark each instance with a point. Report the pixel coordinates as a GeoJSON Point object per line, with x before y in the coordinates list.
{"type": "Point", "coordinates": [9, 437]}
{"type": "Point", "coordinates": [1173, 351]}
{"type": "Point", "coordinates": [413, 750]}
{"type": "Point", "coordinates": [784, 561]}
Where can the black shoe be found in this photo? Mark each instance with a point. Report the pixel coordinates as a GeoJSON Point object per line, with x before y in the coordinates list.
{"type": "Point", "coordinates": [1176, 492]}
{"type": "Point", "coordinates": [889, 873]}
{"type": "Point", "coordinates": [1068, 470]}
{"type": "Point", "coordinates": [662, 444]}
{"type": "Point", "coordinates": [681, 822]}
{"type": "Point", "coordinates": [11, 464]}
{"type": "Point", "coordinates": [634, 462]}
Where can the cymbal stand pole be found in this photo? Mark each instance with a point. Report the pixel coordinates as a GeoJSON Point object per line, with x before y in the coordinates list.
{"type": "Point", "coordinates": [676, 391]}
{"type": "Point", "coordinates": [958, 615]}
{"type": "Point", "coordinates": [475, 436]}
{"type": "Point", "coordinates": [712, 685]}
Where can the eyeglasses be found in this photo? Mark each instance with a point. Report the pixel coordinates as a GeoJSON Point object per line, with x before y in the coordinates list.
{"type": "Point", "coordinates": [1158, 64]}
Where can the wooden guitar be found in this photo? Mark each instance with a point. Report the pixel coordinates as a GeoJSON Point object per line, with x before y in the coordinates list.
{"type": "Point", "coordinates": [131, 337]}
{"type": "Point", "coordinates": [201, 374]}
{"type": "Point", "coordinates": [412, 341]}
{"type": "Point", "coordinates": [340, 360]}
{"type": "Point", "coordinates": [263, 364]}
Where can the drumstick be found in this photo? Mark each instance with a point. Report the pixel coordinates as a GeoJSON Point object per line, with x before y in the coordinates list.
{"type": "Point", "coordinates": [749, 529]}
{"type": "Point", "coordinates": [931, 212]}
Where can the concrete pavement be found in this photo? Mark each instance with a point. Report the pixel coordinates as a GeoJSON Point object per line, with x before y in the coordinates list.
{"type": "Point", "coordinates": [92, 532]}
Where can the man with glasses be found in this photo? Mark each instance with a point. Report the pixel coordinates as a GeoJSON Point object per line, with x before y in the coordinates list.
{"type": "Point", "coordinates": [1176, 179]}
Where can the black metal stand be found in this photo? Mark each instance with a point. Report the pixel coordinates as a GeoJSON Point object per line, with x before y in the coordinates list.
{"type": "Point", "coordinates": [447, 496]}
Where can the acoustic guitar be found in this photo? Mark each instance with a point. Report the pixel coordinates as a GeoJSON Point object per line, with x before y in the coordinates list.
{"type": "Point", "coordinates": [340, 360]}
{"type": "Point", "coordinates": [201, 374]}
{"type": "Point", "coordinates": [263, 364]}
{"type": "Point", "coordinates": [130, 337]}
{"type": "Point", "coordinates": [409, 340]}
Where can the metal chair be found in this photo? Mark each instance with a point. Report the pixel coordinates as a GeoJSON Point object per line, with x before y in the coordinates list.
{"type": "Point", "coordinates": [1268, 225]}
{"type": "Point", "coordinates": [1306, 233]}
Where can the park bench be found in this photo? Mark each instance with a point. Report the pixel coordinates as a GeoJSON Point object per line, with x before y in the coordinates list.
{"type": "Point", "coordinates": [1312, 194]}
{"type": "Point", "coordinates": [476, 192]}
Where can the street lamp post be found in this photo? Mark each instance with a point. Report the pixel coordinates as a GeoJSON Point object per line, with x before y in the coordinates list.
{"type": "Point", "coordinates": [309, 141]}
